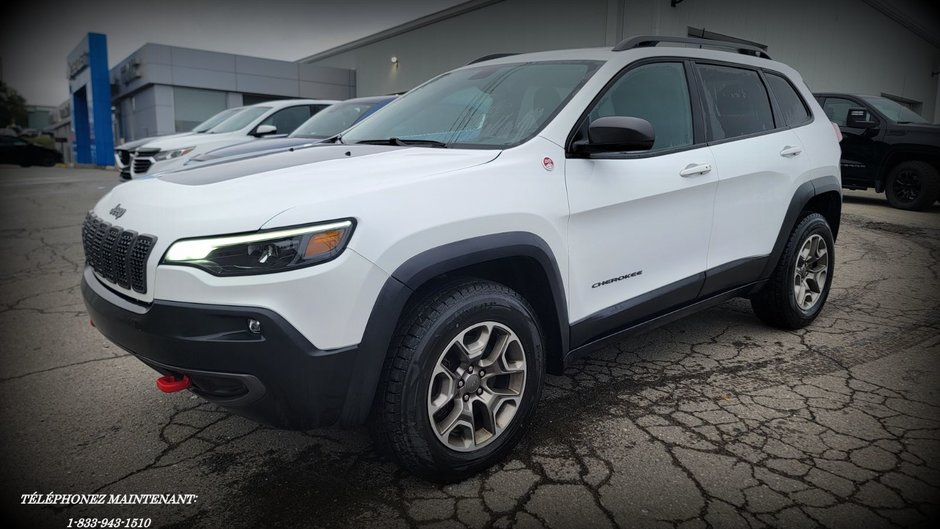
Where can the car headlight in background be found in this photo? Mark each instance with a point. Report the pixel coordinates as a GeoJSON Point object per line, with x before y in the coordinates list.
{"type": "Point", "coordinates": [263, 252]}
{"type": "Point", "coordinates": [176, 153]}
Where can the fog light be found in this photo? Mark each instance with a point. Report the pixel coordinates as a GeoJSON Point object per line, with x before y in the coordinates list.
{"type": "Point", "coordinates": [254, 326]}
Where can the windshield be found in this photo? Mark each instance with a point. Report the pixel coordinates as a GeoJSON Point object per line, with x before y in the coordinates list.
{"type": "Point", "coordinates": [893, 110]}
{"type": "Point", "coordinates": [332, 120]}
{"type": "Point", "coordinates": [216, 119]}
{"type": "Point", "coordinates": [487, 106]}
{"type": "Point", "coordinates": [240, 120]}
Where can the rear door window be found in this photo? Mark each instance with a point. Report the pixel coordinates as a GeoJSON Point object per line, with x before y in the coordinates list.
{"type": "Point", "coordinates": [288, 119]}
{"type": "Point", "coordinates": [736, 100]}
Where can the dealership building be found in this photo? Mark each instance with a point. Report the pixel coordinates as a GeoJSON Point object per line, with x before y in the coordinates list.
{"type": "Point", "coordinates": [161, 89]}
{"type": "Point", "coordinates": [875, 47]}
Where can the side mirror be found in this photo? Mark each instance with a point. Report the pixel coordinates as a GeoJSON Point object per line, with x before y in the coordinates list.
{"type": "Point", "coordinates": [617, 134]}
{"type": "Point", "coordinates": [860, 118]}
{"type": "Point", "coordinates": [265, 130]}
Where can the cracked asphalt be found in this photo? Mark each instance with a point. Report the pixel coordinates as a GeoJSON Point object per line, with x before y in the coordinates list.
{"type": "Point", "coordinates": [712, 421]}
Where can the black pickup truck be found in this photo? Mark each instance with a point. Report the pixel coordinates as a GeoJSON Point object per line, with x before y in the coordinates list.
{"type": "Point", "coordinates": [888, 147]}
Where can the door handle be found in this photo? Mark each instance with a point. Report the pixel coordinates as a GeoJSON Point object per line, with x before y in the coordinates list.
{"type": "Point", "coordinates": [695, 169]}
{"type": "Point", "coordinates": [789, 151]}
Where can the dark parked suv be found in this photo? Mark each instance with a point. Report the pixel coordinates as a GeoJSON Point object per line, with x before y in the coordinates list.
{"type": "Point", "coordinates": [21, 152]}
{"type": "Point", "coordinates": [888, 147]}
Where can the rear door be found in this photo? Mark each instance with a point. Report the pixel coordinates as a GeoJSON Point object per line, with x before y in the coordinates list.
{"type": "Point", "coordinates": [759, 160]}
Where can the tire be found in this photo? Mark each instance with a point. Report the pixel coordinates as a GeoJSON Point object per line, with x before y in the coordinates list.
{"type": "Point", "coordinates": [778, 303]}
{"type": "Point", "coordinates": [912, 186]}
{"type": "Point", "coordinates": [426, 363]}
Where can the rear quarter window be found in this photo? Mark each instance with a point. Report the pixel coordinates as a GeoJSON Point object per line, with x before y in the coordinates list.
{"type": "Point", "coordinates": [789, 102]}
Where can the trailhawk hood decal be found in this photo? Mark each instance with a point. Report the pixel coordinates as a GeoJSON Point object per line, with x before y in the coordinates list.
{"type": "Point", "coordinates": [227, 170]}
{"type": "Point", "coordinates": [244, 195]}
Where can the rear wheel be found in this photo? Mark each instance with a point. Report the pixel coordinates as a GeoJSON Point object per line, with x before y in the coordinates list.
{"type": "Point", "coordinates": [912, 185]}
{"type": "Point", "coordinates": [462, 380]}
{"type": "Point", "coordinates": [800, 283]}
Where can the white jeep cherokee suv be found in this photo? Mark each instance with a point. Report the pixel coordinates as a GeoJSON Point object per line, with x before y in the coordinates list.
{"type": "Point", "coordinates": [426, 269]}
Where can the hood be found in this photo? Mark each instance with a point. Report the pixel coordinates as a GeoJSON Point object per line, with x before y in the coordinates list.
{"type": "Point", "coordinates": [131, 145]}
{"type": "Point", "coordinates": [243, 195]}
{"type": "Point", "coordinates": [169, 143]}
{"type": "Point", "coordinates": [252, 148]}
{"type": "Point", "coordinates": [930, 128]}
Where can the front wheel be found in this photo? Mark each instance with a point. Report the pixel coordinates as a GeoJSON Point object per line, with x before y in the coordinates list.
{"type": "Point", "coordinates": [462, 379]}
{"type": "Point", "coordinates": [799, 285]}
{"type": "Point", "coordinates": [913, 186]}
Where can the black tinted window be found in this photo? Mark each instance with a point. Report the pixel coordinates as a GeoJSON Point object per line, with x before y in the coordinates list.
{"type": "Point", "coordinates": [657, 93]}
{"type": "Point", "coordinates": [737, 101]}
{"type": "Point", "coordinates": [790, 103]}
{"type": "Point", "coordinates": [837, 109]}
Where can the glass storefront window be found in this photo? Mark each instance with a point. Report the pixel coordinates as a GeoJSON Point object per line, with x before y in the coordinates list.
{"type": "Point", "coordinates": [192, 106]}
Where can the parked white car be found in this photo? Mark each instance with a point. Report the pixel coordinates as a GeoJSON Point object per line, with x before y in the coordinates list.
{"type": "Point", "coordinates": [124, 152]}
{"type": "Point", "coordinates": [272, 118]}
{"type": "Point", "coordinates": [428, 268]}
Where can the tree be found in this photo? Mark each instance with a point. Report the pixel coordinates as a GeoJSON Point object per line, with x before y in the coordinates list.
{"type": "Point", "coordinates": [12, 107]}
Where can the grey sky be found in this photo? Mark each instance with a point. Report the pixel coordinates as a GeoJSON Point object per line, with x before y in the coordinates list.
{"type": "Point", "coordinates": [36, 35]}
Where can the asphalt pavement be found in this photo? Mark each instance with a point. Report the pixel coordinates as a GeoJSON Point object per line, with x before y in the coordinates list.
{"type": "Point", "coordinates": [712, 421]}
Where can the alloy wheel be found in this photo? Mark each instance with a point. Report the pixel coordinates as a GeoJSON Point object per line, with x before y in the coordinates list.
{"type": "Point", "coordinates": [811, 271]}
{"type": "Point", "coordinates": [477, 385]}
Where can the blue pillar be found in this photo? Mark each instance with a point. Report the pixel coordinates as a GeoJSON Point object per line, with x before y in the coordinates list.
{"type": "Point", "coordinates": [81, 131]}
{"type": "Point", "coordinates": [90, 85]}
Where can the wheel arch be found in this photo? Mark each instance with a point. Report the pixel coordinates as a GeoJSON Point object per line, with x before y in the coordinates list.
{"type": "Point", "coordinates": [904, 153]}
{"type": "Point", "coordinates": [821, 195]}
{"type": "Point", "coordinates": [520, 260]}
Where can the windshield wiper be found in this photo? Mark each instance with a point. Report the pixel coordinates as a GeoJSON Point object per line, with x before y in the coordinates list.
{"type": "Point", "coordinates": [405, 142]}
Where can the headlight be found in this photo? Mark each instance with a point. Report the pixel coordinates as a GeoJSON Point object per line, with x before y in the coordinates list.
{"type": "Point", "coordinates": [265, 251]}
{"type": "Point", "coordinates": [168, 155]}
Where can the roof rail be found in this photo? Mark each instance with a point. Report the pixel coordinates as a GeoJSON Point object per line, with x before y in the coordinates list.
{"type": "Point", "coordinates": [648, 41]}
{"type": "Point", "coordinates": [490, 57]}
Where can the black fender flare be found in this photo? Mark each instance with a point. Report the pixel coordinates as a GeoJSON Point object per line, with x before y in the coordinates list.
{"type": "Point", "coordinates": [798, 202]}
{"type": "Point", "coordinates": [417, 271]}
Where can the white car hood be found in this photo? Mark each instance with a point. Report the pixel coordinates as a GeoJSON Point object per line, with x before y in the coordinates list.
{"type": "Point", "coordinates": [170, 143]}
{"type": "Point", "coordinates": [243, 195]}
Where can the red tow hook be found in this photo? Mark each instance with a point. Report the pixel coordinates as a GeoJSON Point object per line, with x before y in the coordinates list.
{"type": "Point", "coordinates": [171, 384]}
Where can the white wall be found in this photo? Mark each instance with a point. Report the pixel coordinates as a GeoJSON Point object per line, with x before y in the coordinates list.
{"type": "Point", "coordinates": [838, 45]}
{"type": "Point", "coordinates": [509, 26]}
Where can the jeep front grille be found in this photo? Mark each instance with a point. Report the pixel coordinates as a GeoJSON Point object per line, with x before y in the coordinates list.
{"type": "Point", "coordinates": [117, 255]}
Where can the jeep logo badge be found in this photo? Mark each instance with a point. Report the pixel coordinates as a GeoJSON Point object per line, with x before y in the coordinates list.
{"type": "Point", "coordinates": [117, 211]}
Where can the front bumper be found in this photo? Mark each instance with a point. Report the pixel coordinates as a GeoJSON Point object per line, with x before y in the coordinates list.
{"type": "Point", "coordinates": [275, 377]}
